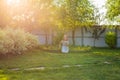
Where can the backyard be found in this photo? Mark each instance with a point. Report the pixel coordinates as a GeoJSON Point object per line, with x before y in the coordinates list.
{"type": "Point", "coordinates": [59, 39]}
{"type": "Point", "coordinates": [85, 64]}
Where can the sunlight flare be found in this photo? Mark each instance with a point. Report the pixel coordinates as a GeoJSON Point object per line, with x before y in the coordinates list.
{"type": "Point", "coordinates": [13, 2]}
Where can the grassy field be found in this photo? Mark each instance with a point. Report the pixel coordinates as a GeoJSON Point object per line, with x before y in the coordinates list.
{"type": "Point", "coordinates": [96, 64]}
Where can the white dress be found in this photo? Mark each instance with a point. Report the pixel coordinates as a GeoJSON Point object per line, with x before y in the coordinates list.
{"type": "Point", "coordinates": [65, 48]}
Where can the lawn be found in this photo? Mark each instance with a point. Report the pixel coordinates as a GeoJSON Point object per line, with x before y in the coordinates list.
{"type": "Point", "coordinates": [85, 64]}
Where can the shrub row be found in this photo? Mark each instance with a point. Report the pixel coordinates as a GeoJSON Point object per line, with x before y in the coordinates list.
{"type": "Point", "coordinates": [16, 41]}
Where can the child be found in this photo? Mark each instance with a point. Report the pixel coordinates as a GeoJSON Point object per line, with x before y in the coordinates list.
{"type": "Point", "coordinates": [65, 45]}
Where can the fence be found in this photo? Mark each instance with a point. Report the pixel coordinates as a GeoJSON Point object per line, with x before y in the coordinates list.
{"type": "Point", "coordinates": [85, 38]}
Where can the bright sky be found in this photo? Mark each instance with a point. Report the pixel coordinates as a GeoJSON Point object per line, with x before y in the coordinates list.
{"type": "Point", "coordinates": [100, 4]}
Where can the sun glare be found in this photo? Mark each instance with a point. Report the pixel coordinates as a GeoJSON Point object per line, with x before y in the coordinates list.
{"type": "Point", "coordinates": [13, 2]}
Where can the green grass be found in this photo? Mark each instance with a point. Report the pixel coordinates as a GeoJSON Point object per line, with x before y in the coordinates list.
{"type": "Point", "coordinates": [92, 60]}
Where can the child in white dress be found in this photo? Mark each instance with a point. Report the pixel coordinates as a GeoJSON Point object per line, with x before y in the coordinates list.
{"type": "Point", "coordinates": [65, 45]}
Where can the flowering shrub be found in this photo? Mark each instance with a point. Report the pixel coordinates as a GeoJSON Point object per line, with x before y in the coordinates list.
{"type": "Point", "coordinates": [16, 41]}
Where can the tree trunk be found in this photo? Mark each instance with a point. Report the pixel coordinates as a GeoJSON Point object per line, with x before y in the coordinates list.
{"type": "Point", "coordinates": [52, 36]}
{"type": "Point", "coordinates": [116, 31]}
{"type": "Point", "coordinates": [73, 37]}
{"type": "Point", "coordinates": [82, 36]}
{"type": "Point", "coordinates": [94, 42]}
{"type": "Point", "coordinates": [46, 39]}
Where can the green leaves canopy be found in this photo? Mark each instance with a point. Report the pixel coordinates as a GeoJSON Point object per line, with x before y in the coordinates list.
{"type": "Point", "coordinates": [113, 8]}
{"type": "Point", "coordinates": [76, 13]}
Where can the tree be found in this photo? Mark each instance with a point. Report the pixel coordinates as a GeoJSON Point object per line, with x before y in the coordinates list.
{"type": "Point", "coordinates": [76, 13]}
{"type": "Point", "coordinates": [17, 15]}
{"type": "Point", "coordinates": [95, 29]}
{"type": "Point", "coordinates": [28, 14]}
{"type": "Point", "coordinates": [96, 32]}
{"type": "Point", "coordinates": [113, 7]}
{"type": "Point", "coordinates": [44, 16]}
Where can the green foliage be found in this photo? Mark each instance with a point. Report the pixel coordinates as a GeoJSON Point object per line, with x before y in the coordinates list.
{"type": "Point", "coordinates": [79, 48]}
{"type": "Point", "coordinates": [73, 14]}
{"type": "Point", "coordinates": [113, 8]}
{"type": "Point", "coordinates": [111, 39]}
{"type": "Point", "coordinates": [16, 41]}
{"type": "Point", "coordinates": [3, 76]}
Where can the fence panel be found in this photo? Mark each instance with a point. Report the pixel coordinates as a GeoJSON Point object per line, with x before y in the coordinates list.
{"type": "Point", "coordinates": [88, 39]}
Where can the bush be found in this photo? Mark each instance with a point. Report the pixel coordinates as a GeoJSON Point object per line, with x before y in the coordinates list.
{"type": "Point", "coordinates": [111, 39]}
{"type": "Point", "coordinates": [16, 41]}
